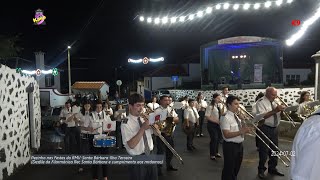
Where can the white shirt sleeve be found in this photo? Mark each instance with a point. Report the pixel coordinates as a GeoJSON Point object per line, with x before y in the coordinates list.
{"type": "Point", "coordinates": [225, 124]}
{"type": "Point", "coordinates": [208, 111]}
{"type": "Point", "coordinates": [186, 114]}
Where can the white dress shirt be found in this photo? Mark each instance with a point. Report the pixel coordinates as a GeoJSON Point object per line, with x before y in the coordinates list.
{"type": "Point", "coordinates": [185, 104]}
{"type": "Point", "coordinates": [202, 105]}
{"type": "Point", "coordinates": [66, 113]}
{"type": "Point", "coordinates": [191, 114]}
{"type": "Point", "coordinates": [305, 159]}
{"type": "Point", "coordinates": [212, 111]}
{"type": "Point", "coordinates": [263, 106]}
{"type": "Point", "coordinates": [224, 97]}
{"type": "Point", "coordinates": [129, 130]}
{"type": "Point", "coordinates": [118, 115]}
{"type": "Point", "coordinates": [109, 110]}
{"type": "Point", "coordinates": [153, 106]}
{"type": "Point", "coordinates": [168, 112]}
{"type": "Point", "coordinates": [86, 121]}
{"type": "Point", "coordinates": [230, 123]}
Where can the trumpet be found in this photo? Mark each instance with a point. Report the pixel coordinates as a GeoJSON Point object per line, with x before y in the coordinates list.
{"type": "Point", "coordinates": [285, 113]}
{"type": "Point", "coordinates": [242, 110]}
{"type": "Point", "coordinates": [155, 130]}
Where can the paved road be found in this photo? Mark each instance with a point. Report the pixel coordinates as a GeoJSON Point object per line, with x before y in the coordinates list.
{"type": "Point", "coordinates": [197, 165]}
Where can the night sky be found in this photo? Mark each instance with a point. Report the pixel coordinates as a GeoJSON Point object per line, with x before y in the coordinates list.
{"type": "Point", "coordinates": [104, 34]}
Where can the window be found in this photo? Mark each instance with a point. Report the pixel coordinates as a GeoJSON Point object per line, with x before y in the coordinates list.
{"type": "Point", "coordinates": [49, 80]}
{"type": "Point", "coordinates": [293, 77]}
{"type": "Point", "coordinates": [287, 77]}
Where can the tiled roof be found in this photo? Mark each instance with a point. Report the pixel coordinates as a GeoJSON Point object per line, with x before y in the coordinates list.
{"type": "Point", "coordinates": [167, 70]}
{"type": "Point", "coordinates": [88, 84]}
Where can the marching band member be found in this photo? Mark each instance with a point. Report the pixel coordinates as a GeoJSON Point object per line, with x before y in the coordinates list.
{"type": "Point", "coordinates": [100, 121]}
{"type": "Point", "coordinates": [86, 128]}
{"type": "Point", "coordinates": [119, 115]}
{"type": "Point", "coordinates": [270, 111]}
{"type": "Point", "coordinates": [233, 134]}
{"type": "Point", "coordinates": [185, 105]}
{"type": "Point", "coordinates": [213, 115]}
{"type": "Point", "coordinates": [166, 111]}
{"type": "Point", "coordinates": [153, 105]}
{"type": "Point", "coordinates": [137, 139]}
{"type": "Point", "coordinates": [72, 132]}
{"type": "Point", "coordinates": [201, 106]}
{"type": "Point", "coordinates": [305, 159]}
{"type": "Point", "coordinates": [191, 122]}
{"type": "Point", "coordinates": [224, 94]}
{"type": "Point", "coordinates": [260, 95]}
{"type": "Point", "coordinates": [171, 103]}
{"type": "Point", "coordinates": [108, 109]}
{"type": "Point", "coordinates": [303, 100]}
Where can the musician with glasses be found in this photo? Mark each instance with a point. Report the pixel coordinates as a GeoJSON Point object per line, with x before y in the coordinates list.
{"type": "Point", "coordinates": [137, 139]}
{"type": "Point", "coordinates": [270, 112]}
{"type": "Point", "coordinates": [233, 134]}
{"type": "Point", "coordinates": [166, 112]}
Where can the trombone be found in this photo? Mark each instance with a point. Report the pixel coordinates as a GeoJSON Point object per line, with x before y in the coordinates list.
{"type": "Point", "coordinates": [285, 113]}
{"type": "Point", "coordinates": [265, 136]}
{"type": "Point", "coordinates": [155, 130]}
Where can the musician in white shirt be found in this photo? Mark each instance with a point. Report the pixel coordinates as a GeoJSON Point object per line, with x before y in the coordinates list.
{"type": "Point", "coordinates": [233, 134]}
{"type": "Point", "coordinates": [137, 139]}
{"type": "Point", "coordinates": [191, 121]}
{"type": "Point", "coordinates": [166, 112]}
{"type": "Point", "coordinates": [201, 106]}
{"type": "Point", "coordinates": [303, 101]}
{"type": "Point", "coordinates": [269, 111]}
{"type": "Point", "coordinates": [153, 105]}
{"type": "Point", "coordinates": [224, 94]}
{"type": "Point", "coordinates": [107, 108]}
{"type": "Point", "coordinates": [100, 121]}
{"type": "Point", "coordinates": [305, 156]}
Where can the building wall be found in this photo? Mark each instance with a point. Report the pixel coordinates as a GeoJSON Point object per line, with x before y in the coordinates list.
{"type": "Point", "coordinates": [16, 135]}
{"type": "Point", "coordinates": [293, 73]}
{"type": "Point", "coordinates": [140, 88]}
{"type": "Point", "coordinates": [247, 97]}
{"type": "Point", "coordinates": [164, 82]}
{"type": "Point", "coordinates": [194, 73]}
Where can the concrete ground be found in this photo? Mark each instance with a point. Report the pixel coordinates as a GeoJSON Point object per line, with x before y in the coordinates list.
{"type": "Point", "coordinates": [197, 165]}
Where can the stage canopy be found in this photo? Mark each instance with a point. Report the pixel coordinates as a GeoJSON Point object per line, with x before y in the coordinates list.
{"type": "Point", "coordinates": [243, 60]}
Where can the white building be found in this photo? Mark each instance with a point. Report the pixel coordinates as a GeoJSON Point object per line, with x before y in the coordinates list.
{"type": "Point", "coordinates": [296, 73]}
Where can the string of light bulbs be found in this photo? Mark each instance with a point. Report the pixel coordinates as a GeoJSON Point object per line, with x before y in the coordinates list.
{"type": "Point", "coordinates": [209, 10]}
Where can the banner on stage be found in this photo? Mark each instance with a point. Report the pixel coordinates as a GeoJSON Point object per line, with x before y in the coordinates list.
{"type": "Point", "coordinates": [258, 73]}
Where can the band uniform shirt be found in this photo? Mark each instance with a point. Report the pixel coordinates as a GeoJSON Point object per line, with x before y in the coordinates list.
{"type": "Point", "coordinates": [102, 121]}
{"type": "Point", "coordinates": [202, 105]}
{"type": "Point", "coordinates": [191, 114]}
{"type": "Point", "coordinates": [231, 124]}
{"type": "Point", "coordinates": [121, 115]}
{"type": "Point", "coordinates": [87, 121]}
{"type": "Point", "coordinates": [212, 111]}
{"type": "Point", "coordinates": [129, 130]}
{"type": "Point", "coordinates": [263, 106]}
{"type": "Point", "coordinates": [223, 97]}
{"type": "Point", "coordinates": [168, 111]}
{"type": "Point", "coordinates": [153, 106]}
{"type": "Point", "coordinates": [305, 163]}
{"type": "Point", "coordinates": [301, 110]}
{"type": "Point", "coordinates": [66, 113]}
{"type": "Point", "coordinates": [185, 104]}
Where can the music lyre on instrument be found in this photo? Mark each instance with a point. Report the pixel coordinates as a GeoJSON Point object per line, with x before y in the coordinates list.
{"type": "Point", "coordinates": [155, 131]}
{"type": "Point", "coordinates": [265, 136]}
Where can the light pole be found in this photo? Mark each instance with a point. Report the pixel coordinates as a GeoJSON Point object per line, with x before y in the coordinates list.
{"type": "Point", "coordinates": [316, 57]}
{"type": "Point", "coordinates": [69, 70]}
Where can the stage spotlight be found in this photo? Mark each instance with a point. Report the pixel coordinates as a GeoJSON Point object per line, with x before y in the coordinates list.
{"type": "Point", "coordinates": [149, 20]}
{"type": "Point", "coordinates": [244, 56]}
{"type": "Point", "coordinates": [157, 21]}
{"type": "Point", "coordinates": [267, 4]}
{"type": "Point", "coordinates": [141, 18]}
{"type": "Point", "coordinates": [236, 6]}
{"type": "Point", "coordinates": [289, 1]}
{"type": "Point", "coordinates": [226, 6]}
{"type": "Point", "coordinates": [236, 57]}
{"type": "Point", "coordinates": [191, 16]}
{"type": "Point", "coordinates": [173, 19]}
{"type": "Point", "coordinates": [232, 57]}
{"type": "Point", "coordinates": [164, 20]}
{"type": "Point", "coordinates": [200, 13]}
{"type": "Point", "coordinates": [241, 56]}
{"type": "Point", "coordinates": [182, 18]}
{"type": "Point", "coordinates": [256, 6]}
{"type": "Point", "coordinates": [279, 2]}
{"type": "Point", "coordinates": [218, 6]}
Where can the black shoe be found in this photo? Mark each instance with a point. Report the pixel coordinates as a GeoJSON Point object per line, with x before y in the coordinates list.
{"type": "Point", "coordinates": [218, 155]}
{"type": "Point", "coordinates": [213, 158]}
{"type": "Point", "coordinates": [261, 175]}
{"type": "Point", "coordinates": [160, 173]}
{"type": "Point", "coordinates": [276, 172]}
{"type": "Point", "coordinates": [172, 169]}
{"type": "Point", "coordinates": [192, 147]}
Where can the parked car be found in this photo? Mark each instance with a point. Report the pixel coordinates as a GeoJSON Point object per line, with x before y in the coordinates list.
{"type": "Point", "coordinates": [49, 116]}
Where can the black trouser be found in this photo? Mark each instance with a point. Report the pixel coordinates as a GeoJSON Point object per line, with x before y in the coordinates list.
{"type": "Point", "coordinates": [201, 119]}
{"type": "Point", "coordinates": [161, 147]}
{"type": "Point", "coordinates": [118, 135]}
{"type": "Point", "coordinates": [233, 154]}
{"type": "Point", "coordinates": [190, 135]}
{"type": "Point", "coordinates": [214, 132]}
{"type": "Point", "coordinates": [72, 140]}
{"type": "Point", "coordinates": [264, 151]}
{"type": "Point", "coordinates": [143, 172]}
{"type": "Point", "coordinates": [95, 167]}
